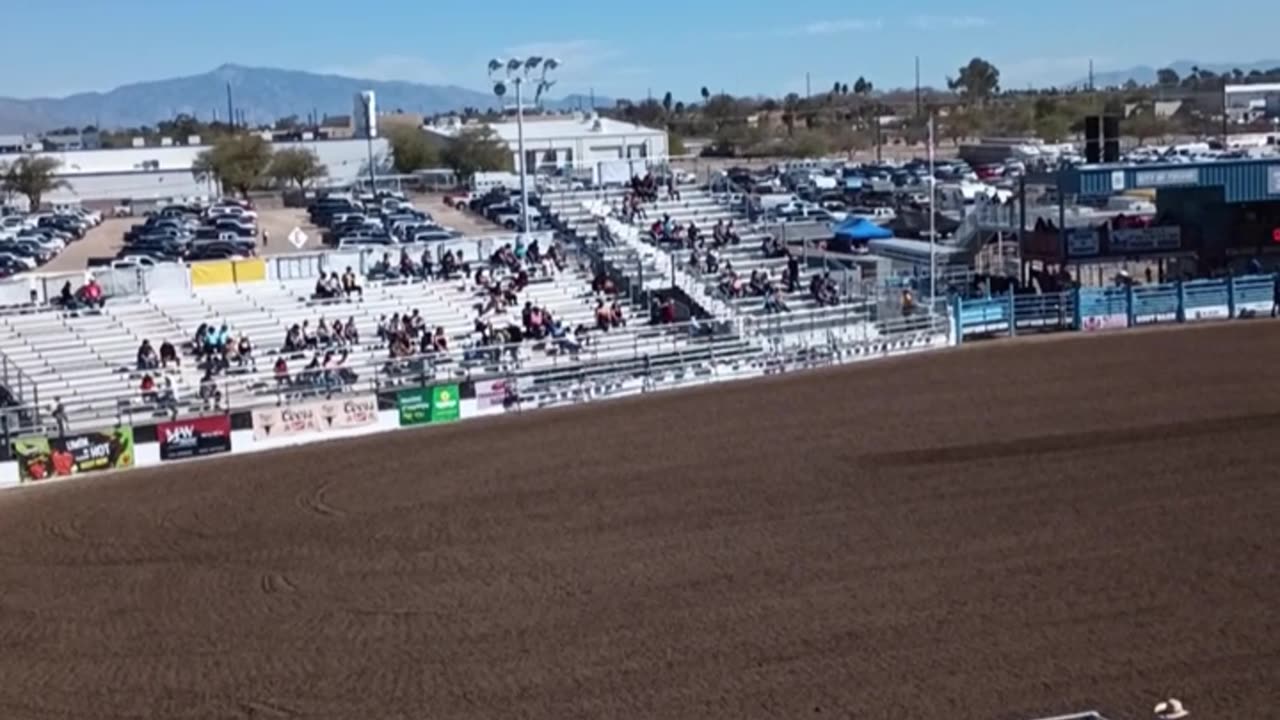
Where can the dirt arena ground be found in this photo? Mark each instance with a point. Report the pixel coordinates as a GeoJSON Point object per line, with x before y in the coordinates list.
{"type": "Point", "coordinates": [1001, 532]}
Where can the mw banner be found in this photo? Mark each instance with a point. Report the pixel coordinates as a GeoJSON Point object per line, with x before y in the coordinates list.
{"type": "Point", "coordinates": [194, 437]}
{"type": "Point", "coordinates": [424, 406]}
{"type": "Point", "coordinates": [1164, 238]}
{"type": "Point", "coordinates": [315, 417]}
{"type": "Point", "coordinates": [40, 458]}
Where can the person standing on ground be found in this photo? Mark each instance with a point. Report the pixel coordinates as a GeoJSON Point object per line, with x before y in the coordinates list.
{"type": "Point", "coordinates": [266, 238]}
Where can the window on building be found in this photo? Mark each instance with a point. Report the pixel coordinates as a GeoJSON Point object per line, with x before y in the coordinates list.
{"type": "Point", "coordinates": [568, 157]}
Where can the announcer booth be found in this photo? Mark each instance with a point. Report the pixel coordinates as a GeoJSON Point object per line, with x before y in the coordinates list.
{"type": "Point", "coordinates": [1218, 216]}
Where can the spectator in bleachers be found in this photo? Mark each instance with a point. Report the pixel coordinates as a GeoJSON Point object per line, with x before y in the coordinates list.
{"type": "Point", "coordinates": [210, 395]}
{"type": "Point", "coordinates": [167, 398]}
{"type": "Point", "coordinates": [67, 298]}
{"type": "Point", "coordinates": [771, 248]}
{"type": "Point", "coordinates": [560, 336]}
{"type": "Point", "coordinates": [773, 299]}
{"type": "Point", "coordinates": [169, 354]}
{"type": "Point", "coordinates": [731, 235]}
{"type": "Point", "coordinates": [439, 342]}
{"type": "Point", "coordinates": [408, 268]}
{"type": "Point", "coordinates": [427, 264]}
{"type": "Point", "coordinates": [908, 303]}
{"type": "Point", "coordinates": [293, 340]}
{"type": "Point", "coordinates": [350, 284]}
{"type": "Point", "coordinates": [604, 316]}
{"type": "Point", "coordinates": [90, 294]}
{"type": "Point", "coordinates": [58, 412]}
{"type": "Point", "coordinates": [323, 337]}
{"type": "Point", "coordinates": [449, 265]}
{"type": "Point", "coordinates": [322, 289]}
{"type": "Point", "coordinates": [382, 269]}
{"type": "Point", "coordinates": [350, 332]}
{"type": "Point", "coordinates": [309, 339]}
{"type": "Point", "coordinates": [281, 372]}
{"type": "Point", "coordinates": [823, 290]}
{"type": "Point", "coordinates": [694, 235]}
{"type": "Point", "coordinates": [147, 358]}
{"type": "Point", "coordinates": [669, 311]}
{"type": "Point", "coordinates": [619, 320]}
{"type": "Point", "coordinates": [756, 284]}
{"type": "Point", "coordinates": [673, 192]}
{"type": "Point", "coordinates": [718, 238]}
{"type": "Point", "coordinates": [793, 272]}
{"type": "Point", "coordinates": [713, 262]}
{"type": "Point", "coordinates": [147, 389]}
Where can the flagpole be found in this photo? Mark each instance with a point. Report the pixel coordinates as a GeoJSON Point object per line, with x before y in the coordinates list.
{"type": "Point", "coordinates": [933, 226]}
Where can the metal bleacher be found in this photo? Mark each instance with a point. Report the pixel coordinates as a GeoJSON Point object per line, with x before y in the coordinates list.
{"type": "Point", "coordinates": [580, 213]}
{"type": "Point", "coordinates": [86, 360]}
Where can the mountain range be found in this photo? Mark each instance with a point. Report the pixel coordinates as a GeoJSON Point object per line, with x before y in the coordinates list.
{"type": "Point", "coordinates": [1146, 75]}
{"type": "Point", "coordinates": [263, 94]}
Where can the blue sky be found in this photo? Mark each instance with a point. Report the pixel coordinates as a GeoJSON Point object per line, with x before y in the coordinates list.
{"type": "Point", "coordinates": [618, 48]}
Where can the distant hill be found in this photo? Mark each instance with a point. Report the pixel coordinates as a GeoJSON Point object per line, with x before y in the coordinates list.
{"type": "Point", "coordinates": [1146, 74]}
{"type": "Point", "coordinates": [265, 94]}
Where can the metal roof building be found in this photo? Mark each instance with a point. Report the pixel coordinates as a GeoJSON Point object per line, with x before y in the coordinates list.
{"type": "Point", "coordinates": [1240, 181]}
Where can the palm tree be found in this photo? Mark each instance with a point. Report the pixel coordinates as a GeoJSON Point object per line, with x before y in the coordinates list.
{"type": "Point", "coordinates": [706, 94]}
{"type": "Point", "coordinates": [33, 176]}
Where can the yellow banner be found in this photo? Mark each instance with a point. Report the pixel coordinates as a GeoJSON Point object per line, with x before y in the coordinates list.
{"type": "Point", "coordinates": [212, 272]}
{"type": "Point", "coordinates": [251, 270]}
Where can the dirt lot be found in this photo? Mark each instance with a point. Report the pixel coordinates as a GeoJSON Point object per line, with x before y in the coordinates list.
{"type": "Point", "coordinates": [997, 532]}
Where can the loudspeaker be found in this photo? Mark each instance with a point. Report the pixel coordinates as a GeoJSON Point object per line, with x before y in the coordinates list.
{"type": "Point", "coordinates": [1093, 139]}
{"type": "Point", "coordinates": [1111, 139]}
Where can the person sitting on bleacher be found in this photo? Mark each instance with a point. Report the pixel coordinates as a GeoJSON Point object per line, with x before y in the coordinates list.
{"type": "Point", "coordinates": [695, 235]}
{"type": "Point", "coordinates": [308, 337]}
{"type": "Point", "coordinates": [718, 238]}
{"type": "Point", "coordinates": [350, 332]}
{"type": "Point", "coordinates": [673, 192]}
{"type": "Point", "coordinates": [350, 285]}
{"type": "Point", "coordinates": [244, 350]}
{"type": "Point", "coordinates": [90, 294]}
{"type": "Point", "coordinates": [322, 291]}
{"type": "Point", "coordinates": [209, 392]}
{"type": "Point", "coordinates": [415, 324]}
{"type": "Point", "coordinates": [293, 341]}
{"type": "Point", "coordinates": [67, 298]}
{"type": "Point", "coordinates": [448, 265]}
{"type": "Point", "coordinates": [773, 299]}
{"type": "Point", "coordinates": [148, 389]}
{"type": "Point", "coordinates": [169, 354]}
{"type": "Point", "coordinates": [281, 372]}
{"type": "Point", "coordinates": [382, 269]}
{"type": "Point", "coordinates": [713, 262]}
{"type": "Point", "coordinates": [793, 272]}
{"type": "Point", "coordinates": [731, 235]}
{"type": "Point", "coordinates": [408, 268]}
{"type": "Point", "coordinates": [439, 342]}
{"type": "Point", "coordinates": [617, 318]}
{"type": "Point", "coordinates": [908, 303]}
{"type": "Point", "coordinates": [771, 248]}
{"type": "Point", "coordinates": [147, 358]}
{"type": "Point", "coordinates": [323, 337]}
{"type": "Point", "coordinates": [167, 398]}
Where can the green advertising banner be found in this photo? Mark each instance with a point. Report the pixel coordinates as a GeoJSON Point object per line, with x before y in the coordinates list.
{"type": "Point", "coordinates": [414, 406]}
{"type": "Point", "coordinates": [444, 403]}
{"type": "Point", "coordinates": [425, 406]}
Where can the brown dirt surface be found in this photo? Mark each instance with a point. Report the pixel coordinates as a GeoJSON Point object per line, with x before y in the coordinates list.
{"type": "Point", "coordinates": [999, 532]}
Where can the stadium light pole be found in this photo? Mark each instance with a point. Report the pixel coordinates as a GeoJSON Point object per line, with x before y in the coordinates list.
{"type": "Point", "coordinates": [518, 71]}
{"type": "Point", "coordinates": [368, 139]}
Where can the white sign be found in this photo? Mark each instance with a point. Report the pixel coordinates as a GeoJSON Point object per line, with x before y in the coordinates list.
{"type": "Point", "coordinates": [1273, 180]}
{"type": "Point", "coordinates": [297, 237]}
{"type": "Point", "coordinates": [1117, 180]}
{"type": "Point", "coordinates": [1082, 242]}
{"type": "Point", "coordinates": [1162, 178]}
{"type": "Point", "coordinates": [1161, 238]}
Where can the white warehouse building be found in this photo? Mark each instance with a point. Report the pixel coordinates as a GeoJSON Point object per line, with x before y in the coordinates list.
{"type": "Point", "coordinates": [164, 171]}
{"type": "Point", "coordinates": [581, 141]}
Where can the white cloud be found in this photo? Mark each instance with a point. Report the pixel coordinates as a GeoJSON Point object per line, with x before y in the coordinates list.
{"type": "Point", "coordinates": [408, 68]}
{"type": "Point", "coordinates": [836, 27]}
{"type": "Point", "coordinates": [948, 22]}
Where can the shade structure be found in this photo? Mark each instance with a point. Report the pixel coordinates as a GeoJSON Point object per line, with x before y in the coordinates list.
{"type": "Point", "coordinates": [861, 230]}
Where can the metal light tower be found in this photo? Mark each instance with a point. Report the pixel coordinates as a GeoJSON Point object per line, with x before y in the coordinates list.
{"type": "Point", "coordinates": [933, 224]}
{"type": "Point", "coordinates": [518, 71]}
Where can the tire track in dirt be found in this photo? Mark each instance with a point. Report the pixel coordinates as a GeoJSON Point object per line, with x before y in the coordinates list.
{"type": "Point", "coordinates": [267, 710]}
{"type": "Point", "coordinates": [314, 502]}
{"type": "Point", "coordinates": [275, 583]}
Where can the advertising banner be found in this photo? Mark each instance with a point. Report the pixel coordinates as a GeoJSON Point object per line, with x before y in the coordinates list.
{"type": "Point", "coordinates": [315, 417]}
{"type": "Point", "coordinates": [1164, 238]}
{"type": "Point", "coordinates": [40, 458]}
{"type": "Point", "coordinates": [1083, 242]}
{"type": "Point", "coordinates": [194, 438]}
{"type": "Point", "coordinates": [424, 406]}
{"type": "Point", "coordinates": [493, 393]}
{"type": "Point", "coordinates": [1273, 180]}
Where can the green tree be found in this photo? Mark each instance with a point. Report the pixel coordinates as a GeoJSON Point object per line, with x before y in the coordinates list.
{"type": "Point", "coordinates": [668, 102]}
{"type": "Point", "coordinates": [1146, 125]}
{"type": "Point", "coordinates": [706, 94]}
{"type": "Point", "coordinates": [675, 145]}
{"type": "Point", "coordinates": [1167, 77]}
{"type": "Point", "coordinates": [977, 81]}
{"type": "Point", "coordinates": [237, 162]}
{"type": "Point", "coordinates": [299, 166]}
{"type": "Point", "coordinates": [33, 176]}
{"type": "Point", "coordinates": [1053, 127]}
{"type": "Point", "coordinates": [410, 150]}
{"type": "Point", "coordinates": [862, 86]}
{"type": "Point", "coordinates": [476, 149]}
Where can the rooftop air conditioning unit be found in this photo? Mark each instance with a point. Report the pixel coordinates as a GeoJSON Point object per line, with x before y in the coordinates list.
{"type": "Point", "coordinates": [166, 142]}
{"type": "Point", "coordinates": [308, 135]}
{"type": "Point", "coordinates": [139, 142]}
{"type": "Point", "coordinates": [193, 139]}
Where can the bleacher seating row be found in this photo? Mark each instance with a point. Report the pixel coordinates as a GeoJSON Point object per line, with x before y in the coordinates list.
{"type": "Point", "coordinates": [86, 360]}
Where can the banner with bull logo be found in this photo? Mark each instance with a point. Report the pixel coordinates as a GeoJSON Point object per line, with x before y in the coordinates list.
{"type": "Point", "coordinates": [194, 437]}
{"type": "Point", "coordinates": [315, 417]}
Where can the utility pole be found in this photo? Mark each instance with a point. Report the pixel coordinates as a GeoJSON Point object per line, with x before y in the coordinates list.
{"type": "Point", "coordinates": [808, 89]}
{"type": "Point", "coordinates": [1091, 88]}
{"type": "Point", "coordinates": [917, 86]}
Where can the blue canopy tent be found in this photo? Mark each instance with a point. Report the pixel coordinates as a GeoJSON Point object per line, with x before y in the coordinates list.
{"type": "Point", "coordinates": [857, 232]}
